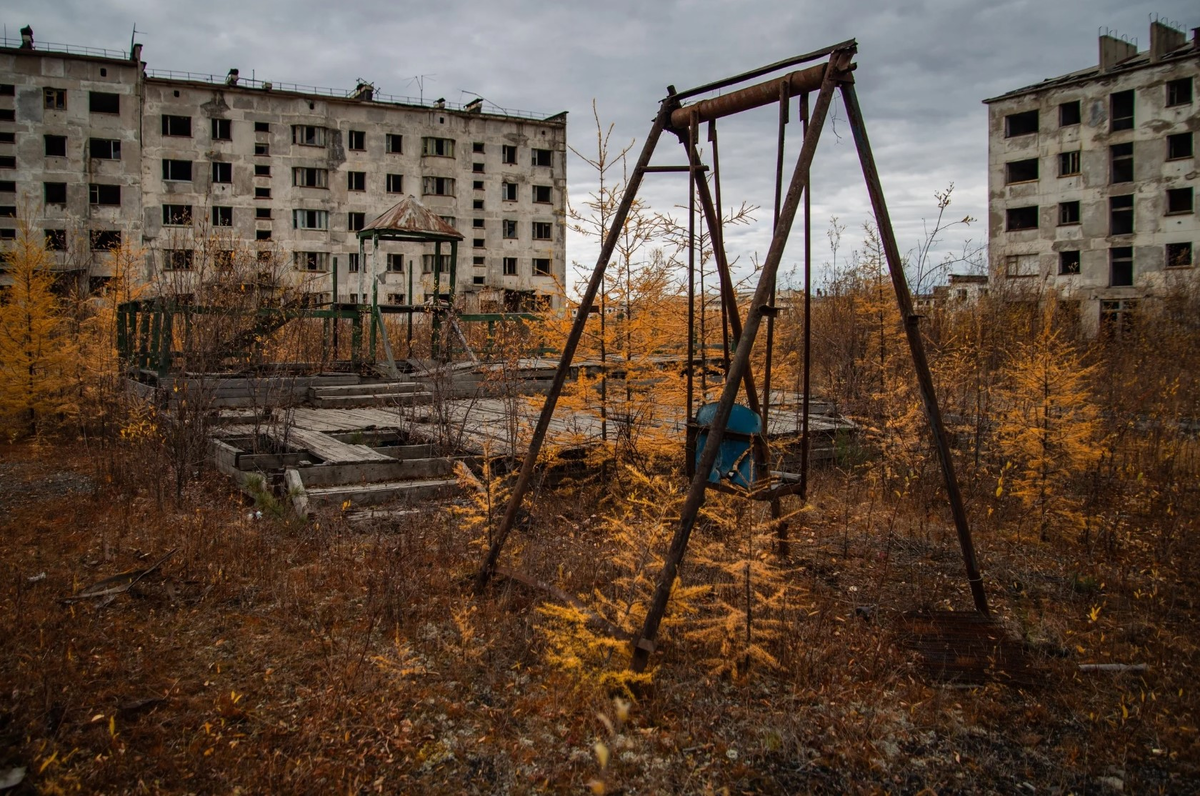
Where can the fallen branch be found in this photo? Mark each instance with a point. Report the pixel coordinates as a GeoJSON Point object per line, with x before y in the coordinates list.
{"type": "Point", "coordinates": [117, 584]}
{"type": "Point", "coordinates": [1113, 667]}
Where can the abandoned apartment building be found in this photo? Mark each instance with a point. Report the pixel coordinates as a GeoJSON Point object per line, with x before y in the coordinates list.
{"type": "Point", "coordinates": [1092, 179]}
{"type": "Point", "coordinates": [94, 147]}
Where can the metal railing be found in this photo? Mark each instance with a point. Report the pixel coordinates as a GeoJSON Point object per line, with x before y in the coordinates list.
{"type": "Point", "coordinates": [69, 49]}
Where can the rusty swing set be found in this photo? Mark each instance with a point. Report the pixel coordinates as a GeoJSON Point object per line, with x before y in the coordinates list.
{"type": "Point", "coordinates": [833, 75]}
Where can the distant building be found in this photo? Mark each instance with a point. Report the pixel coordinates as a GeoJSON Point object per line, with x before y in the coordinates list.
{"type": "Point", "coordinates": [1092, 179]}
{"type": "Point", "coordinates": [961, 290]}
{"type": "Point", "coordinates": [94, 147]}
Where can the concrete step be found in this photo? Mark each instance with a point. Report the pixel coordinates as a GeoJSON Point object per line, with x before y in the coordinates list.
{"type": "Point", "coordinates": [379, 388]}
{"type": "Point", "coordinates": [409, 398]}
{"type": "Point", "coordinates": [384, 492]}
{"type": "Point", "coordinates": [355, 473]}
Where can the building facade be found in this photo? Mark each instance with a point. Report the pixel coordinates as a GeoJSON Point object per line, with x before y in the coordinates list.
{"type": "Point", "coordinates": [195, 169]}
{"type": "Point", "coordinates": [1092, 179]}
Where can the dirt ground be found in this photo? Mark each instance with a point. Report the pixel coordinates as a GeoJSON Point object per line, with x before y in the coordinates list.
{"type": "Point", "coordinates": [266, 656]}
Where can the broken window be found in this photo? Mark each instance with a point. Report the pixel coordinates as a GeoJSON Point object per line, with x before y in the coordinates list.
{"type": "Point", "coordinates": [177, 125]}
{"type": "Point", "coordinates": [1179, 92]}
{"type": "Point", "coordinates": [477, 204]}
{"type": "Point", "coordinates": [394, 144]}
{"type": "Point", "coordinates": [56, 239]}
{"type": "Point", "coordinates": [510, 266]}
{"type": "Point", "coordinates": [541, 266]}
{"type": "Point", "coordinates": [222, 172]}
{"type": "Point", "coordinates": [262, 234]}
{"type": "Point", "coordinates": [104, 148]}
{"type": "Point", "coordinates": [1022, 265]}
{"type": "Point", "coordinates": [508, 191]}
{"type": "Point", "coordinates": [356, 181]}
{"type": "Point", "coordinates": [177, 170]}
{"type": "Point", "coordinates": [262, 127]}
{"type": "Point", "coordinates": [310, 219]}
{"type": "Point", "coordinates": [542, 157]}
{"type": "Point", "coordinates": [1068, 114]}
{"type": "Point", "coordinates": [358, 140]}
{"type": "Point", "coordinates": [1068, 163]}
{"type": "Point", "coordinates": [222, 130]}
{"type": "Point", "coordinates": [478, 280]}
{"type": "Point", "coordinates": [262, 170]}
{"type": "Point", "coordinates": [1015, 171]}
{"type": "Point", "coordinates": [105, 239]}
{"type": "Point", "coordinates": [395, 183]}
{"type": "Point", "coordinates": [1023, 123]}
{"type": "Point", "coordinates": [542, 193]}
{"type": "Point", "coordinates": [1121, 156]}
{"type": "Point", "coordinates": [54, 193]}
{"type": "Point", "coordinates": [356, 221]}
{"type": "Point", "coordinates": [178, 259]}
{"type": "Point", "coordinates": [177, 215]}
{"type": "Point", "coordinates": [307, 177]}
{"type": "Point", "coordinates": [352, 265]}
{"type": "Point", "coordinates": [103, 102]}
{"type": "Point", "coordinates": [477, 185]}
{"type": "Point", "coordinates": [105, 195]}
{"type": "Point", "coordinates": [1179, 146]}
{"type": "Point", "coordinates": [477, 223]}
{"type": "Point", "coordinates": [509, 228]}
{"type": "Point", "coordinates": [477, 147]}
{"type": "Point", "coordinates": [508, 154]}
{"type": "Point", "coordinates": [8, 211]}
{"type": "Point", "coordinates": [479, 243]}
{"type": "Point", "coordinates": [1018, 218]}
{"type": "Point", "coordinates": [1179, 255]}
{"type": "Point", "coordinates": [311, 261]}
{"type": "Point", "coordinates": [1120, 211]}
{"type": "Point", "coordinates": [1068, 262]}
{"type": "Point", "coordinates": [437, 147]}
{"type": "Point", "coordinates": [541, 230]}
{"type": "Point", "coordinates": [1179, 201]}
{"type": "Point", "coordinates": [395, 263]}
{"type": "Point", "coordinates": [308, 135]}
{"type": "Point", "coordinates": [262, 212]}
{"type": "Point", "coordinates": [477, 168]}
{"type": "Point", "coordinates": [437, 186]}
{"type": "Point", "coordinates": [1122, 110]}
{"type": "Point", "coordinates": [56, 146]}
{"type": "Point", "coordinates": [1120, 266]}
{"type": "Point", "coordinates": [55, 99]}
{"type": "Point", "coordinates": [262, 150]}
{"type": "Point", "coordinates": [1068, 213]}
{"type": "Point", "coordinates": [222, 216]}
{"type": "Point", "coordinates": [262, 193]}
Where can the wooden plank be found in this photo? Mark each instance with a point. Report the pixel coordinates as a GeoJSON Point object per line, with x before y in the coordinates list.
{"type": "Point", "coordinates": [326, 447]}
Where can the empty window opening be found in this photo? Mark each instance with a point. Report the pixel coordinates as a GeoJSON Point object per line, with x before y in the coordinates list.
{"type": "Point", "coordinates": [103, 102]}
{"type": "Point", "coordinates": [222, 130]}
{"type": "Point", "coordinates": [395, 298]}
{"type": "Point", "coordinates": [8, 186]}
{"type": "Point", "coordinates": [1179, 146]}
{"type": "Point", "coordinates": [1068, 163]}
{"type": "Point", "coordinates": [8, 211]}
{"type": "Point", "coordinates": [478, 280]}
{"type": "Point", "coordinates": [1179, 255]}
{"type": "Point", "coordinates": [542, 157]}
{"type": "Point", "coordinates": [177, 170]}
{"type": "Point", "coordinates": [510, 266]}
{"type": "Point", "coordinates": [178, 259]}
{"type": "Point", "coordinates": [1015, 171]}
{"type": "Point", "coordinates": [477, 147]}
{"type": "Point", "coordinates": [305, 177]}
{"type": "Point", "coordinates": [8, 162]}
{"type": "Point", "coordinates": [262, 193]}
{"type": "Point", "coordinates": [56, 239]}
{"type": "Point", "coordinates": [311, 261]}
{"type": "Point", "coordinates": [395, 144]}
{"type": "Point", "coordinates": [262, 170]}
{"type": "Point", "coordinates": [352, 265]}
{"type": "Point", "coordinates": [1117, 318]}
{"type": "Point", "coordinates": [1018, 218]}
{"type": "Point", "coordinates": [1120, 210]}
{"type": "Point", "coordinates": [1179, 92]}
{"type": "Point", "coordinates": [509, 228]}
{"type": "Point", "coordinates": [477, 204]}
{"type": "Point", "coordinates": [356, 181]}
{"type": "Point", "coordinates": [1023, 123]}
{"type": "Point", "coordinates": [1068, 263]}
{"type": "Point", "coordinates": [477, 223]}
{"type": "Point", "coordinates": [1122, 110]}
{"type": "Point", "coordinates": [427, 261]}
{"type": "Point", "coordinates": [262, 234]}
{"type": "Point", "coordinates": [1121, 156]}
{"type": "Point", "coordinates": [358, 140]}
{"type": "Point", "coordinates": [395, 263]}
{"type": "Point", "coordinates": [508, 191]}
{"type": "Point", "coordinates": [1068, 114]}
{"type": "Point", "coordinates": [541, 230]}
{"type": "Point", "coordinates": [479, 260]}
{"type": "Point", "coordinates": [262, 212]}
{"type": "Point", "coordinates": [542, 193]}
{"type": "Point", "coordinates": [222, 216]}
{"type": "Point", "coordinates": [7, 90]}
{"type": "Point", "coordinates": [1179, 201]}
{"type": "Point", "coordinates": [262, 127]}
{"type": "Point", "coordinates": [1121, 266]}
{"type": "Point", "coordinates": [8, 138]}
{"type": "Point", "coordinates": [104, 195]}
{"type": "Point", "coordinates": [56, 146]}
{"type": "Point", "coordinates": [437, 186]}
{"type": "Point", "coordinates": [310, 219]}
{"type": "Point", "coordinates": [177, 215]}
{"type": "Point", "coordinates": [222, 172]}
{"type": "Point", "coordinates": [477, 185]}
{"type": "Point", "coordinates": [479, 243]}
{"type": "Point", "coordinates": [437, 147]}
{"type": "Point", "coordinates": [177, 126]}
{"type": "Point", "coordinates": [105, 239]}
{"type": "Point", "coordinates": [55, 99]}
{"type": "Point", "coordinates": [356, 221]}
{"type": "Point", "coordinates": [477, 168]}
{"type": "Point", "coordinates": [508, 154]}
{"type": "Point", "coordinates": [104, 148]}
{"type": "Point", "coordinates": [1068, 213]}
{"type": "Point", "coordinates": [262, 150]}
{"type": "Point", "coordinates": [308, 135]}
{"type": "Point", "coordinates": [54, 193]}
{"type": "Point", "coordinates": [8, 115]}
{"type": "Point", "coordinates": [541, 266]}
{"type": "Point", "coordinates": [395, 183]}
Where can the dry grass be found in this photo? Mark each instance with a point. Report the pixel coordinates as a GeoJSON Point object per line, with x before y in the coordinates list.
{"type": "Point", "coordinates": [274, 657]}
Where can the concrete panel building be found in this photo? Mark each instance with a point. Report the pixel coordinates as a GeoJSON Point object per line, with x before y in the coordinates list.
{"type": "Point", "coordinates": [1092, 179]}
{"type": "Point", "coordinates": [93, 146]}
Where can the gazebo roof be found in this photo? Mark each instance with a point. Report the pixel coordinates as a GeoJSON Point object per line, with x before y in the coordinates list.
{"type": "Point", "coordinates": [409, 219]}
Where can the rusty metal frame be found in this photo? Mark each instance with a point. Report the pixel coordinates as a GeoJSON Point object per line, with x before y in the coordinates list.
{"type": "Point", "coordinates": [833, 76]}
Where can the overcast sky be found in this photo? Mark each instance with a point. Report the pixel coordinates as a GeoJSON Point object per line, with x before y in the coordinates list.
{"type": "Point", "coordinates": [923, 69]}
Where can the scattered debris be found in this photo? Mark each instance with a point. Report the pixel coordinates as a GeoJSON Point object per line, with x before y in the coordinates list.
{"type": "Point", "coordinates": [109, 588]}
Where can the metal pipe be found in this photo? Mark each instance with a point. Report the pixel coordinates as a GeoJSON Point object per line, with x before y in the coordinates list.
{"type": "Point", "coordinates": [804, 442]}
{"type": "Point", "coordinates": [564, 364]}
{"type": "Point", "coordinates": [849, 44]}
{"type": "Point", "coordinates": [690, 442]}
{"type": "Point", "coordinates": [913, 331]}
{"type": "Point", "coordinates": [740, 364]}
{"type": "Point", "coordinates": [751, 97]}
{"type": "Point", "coordinates": [717, 236]}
